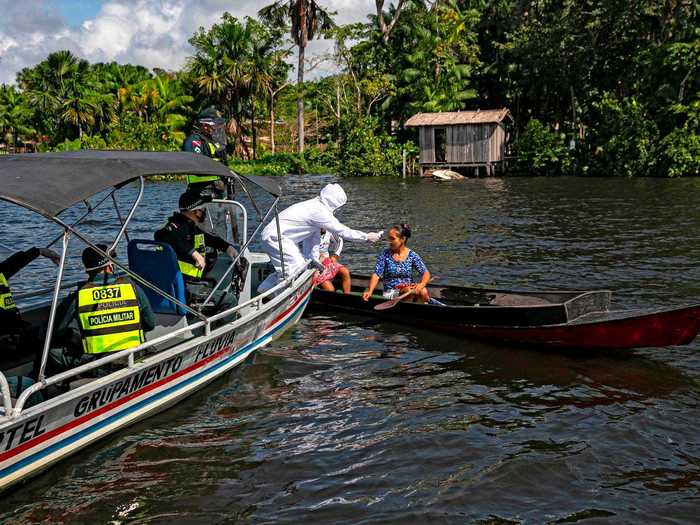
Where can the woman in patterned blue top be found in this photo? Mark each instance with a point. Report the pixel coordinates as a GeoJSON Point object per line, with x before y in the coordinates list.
{"type": "Point", "coordinates": [395, 267]}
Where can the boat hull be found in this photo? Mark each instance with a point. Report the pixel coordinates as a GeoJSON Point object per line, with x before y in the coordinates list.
{"type": "Point", "coordinates": [566, 320]}
{"type": "Point", "coordinates": [56, 429]}
{"type": "Point", "coordinates": [678, 326]}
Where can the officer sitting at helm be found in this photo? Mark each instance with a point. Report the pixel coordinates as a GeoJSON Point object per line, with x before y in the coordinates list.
{"type": "Point", "coordinates": [111, 314]}
{"type": "Point", "coordinates": [196, 250]}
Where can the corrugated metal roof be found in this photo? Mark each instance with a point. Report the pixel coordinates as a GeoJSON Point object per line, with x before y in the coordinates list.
{"type": "Point", "coordinates": [448, 118]}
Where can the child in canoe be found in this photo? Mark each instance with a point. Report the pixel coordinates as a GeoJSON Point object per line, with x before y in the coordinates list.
{"type": "Point", "coordinates": [395, 267]}
{"type": "Point", "coordinates": [329, 250]}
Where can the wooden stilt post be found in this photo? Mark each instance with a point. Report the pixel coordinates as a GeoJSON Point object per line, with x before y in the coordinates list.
{"type": "Point", "coordinates": [403, 162]}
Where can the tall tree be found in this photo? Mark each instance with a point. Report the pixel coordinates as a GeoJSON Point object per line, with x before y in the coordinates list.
{"type": "Point", "coordinates": [307, 17]}
{"type": "Point", "coordinates": [385, 28]}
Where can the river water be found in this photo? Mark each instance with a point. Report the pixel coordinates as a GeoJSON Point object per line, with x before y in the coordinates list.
{"type": "Point", "coordinates": [344, 420]}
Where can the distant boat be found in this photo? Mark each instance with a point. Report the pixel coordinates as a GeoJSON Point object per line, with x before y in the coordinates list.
{"type": "Point", "coordinates": [446, 175]}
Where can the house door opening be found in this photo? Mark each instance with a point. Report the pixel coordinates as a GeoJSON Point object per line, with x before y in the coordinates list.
{"type": "Point", "coordinates": [440, 144]}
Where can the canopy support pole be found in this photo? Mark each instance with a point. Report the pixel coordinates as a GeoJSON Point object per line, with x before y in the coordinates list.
{"type": "Point", "coordinates": [125, 223]}
{"type": "Point", "coordinates": [245, 190]}
{"type": "Point", "coordinates": [240, 253]}
{"type": "Point", "coordinates": [279, 238]}
{"type": "Point", "coordinates": [54, 304]}
{"type": "Point", "coordinates": [131, 274]}
{"type": "Point", "coordinates": [90, 209]}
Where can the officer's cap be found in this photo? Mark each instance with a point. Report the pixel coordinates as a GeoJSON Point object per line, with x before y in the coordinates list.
{"type": "Point", "coordinates": [192, 200]}
{"type": "Point", "coordinates": [92, 260]}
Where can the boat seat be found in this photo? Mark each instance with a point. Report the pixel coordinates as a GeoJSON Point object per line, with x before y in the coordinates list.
{"type": "Point", "coordinates": [166, 324]}
{"type": "Point", "coordinates": [156, 263]}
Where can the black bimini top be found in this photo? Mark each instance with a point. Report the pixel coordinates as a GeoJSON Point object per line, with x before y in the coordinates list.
{"type": "Point", "coordinates": [49, 183]}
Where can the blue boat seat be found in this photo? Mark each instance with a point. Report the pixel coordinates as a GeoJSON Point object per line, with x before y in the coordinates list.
{"type": "Point", "coordinates": [156, 263]}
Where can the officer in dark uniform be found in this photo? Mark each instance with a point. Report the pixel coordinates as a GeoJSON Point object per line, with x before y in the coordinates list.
{"type": "Point", "coordinates": [196, 250]}
{"type": "Point", "coordinates": [106, 314]}
{"type": "Point", "coordinates": [208, 138]}
{"type": "Point", "coordinates": [10, 319]}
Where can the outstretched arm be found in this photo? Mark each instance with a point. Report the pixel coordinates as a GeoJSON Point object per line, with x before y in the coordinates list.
{"type": "Point", "coordinates": [333, 225]}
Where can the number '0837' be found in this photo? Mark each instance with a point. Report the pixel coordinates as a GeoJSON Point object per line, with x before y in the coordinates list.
{"type": "Point", "coordinates": [106, 293]}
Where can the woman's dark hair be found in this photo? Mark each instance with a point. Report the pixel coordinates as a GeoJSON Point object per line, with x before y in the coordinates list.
{"type": "Point", "coordinates": [404, 230]}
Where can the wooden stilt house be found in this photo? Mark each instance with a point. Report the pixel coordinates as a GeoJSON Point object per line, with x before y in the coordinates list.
{"type": "Point", "coordinates": [463, 139]}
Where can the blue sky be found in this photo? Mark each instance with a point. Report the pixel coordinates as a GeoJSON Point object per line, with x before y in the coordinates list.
{"type": "Point", "coordinates": [152, 33]}
{"type": "Point", "coordinates": [75, 12]}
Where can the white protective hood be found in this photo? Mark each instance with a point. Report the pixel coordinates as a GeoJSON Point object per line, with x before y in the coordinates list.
{"type": "Point", "coordinates": [333, 196]}
{"type": "Point", "coordinates": [302, 222]}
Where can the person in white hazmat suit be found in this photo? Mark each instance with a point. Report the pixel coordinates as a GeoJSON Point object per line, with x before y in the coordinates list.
{"type": "Point", "coordinates": [301, 223]}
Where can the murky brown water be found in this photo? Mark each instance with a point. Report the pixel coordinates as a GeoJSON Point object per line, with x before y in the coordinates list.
{"type": "Point", "coordinates": [348, 421]}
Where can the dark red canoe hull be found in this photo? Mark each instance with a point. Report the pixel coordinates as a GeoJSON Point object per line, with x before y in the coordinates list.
{"type": "Point", "coordinates": [633, 330]}
{"type": "Point", "coordinates": [572, 320]}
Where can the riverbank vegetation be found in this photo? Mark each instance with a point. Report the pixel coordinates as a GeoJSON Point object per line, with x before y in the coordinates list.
{"type": "Point", "coordinates": [599, 87]}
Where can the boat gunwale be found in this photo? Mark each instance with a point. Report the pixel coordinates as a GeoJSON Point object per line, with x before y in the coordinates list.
{"type": "Point", "coordinates": [159, 356]}
{"type": "Point", "coordinates": [628, 314]}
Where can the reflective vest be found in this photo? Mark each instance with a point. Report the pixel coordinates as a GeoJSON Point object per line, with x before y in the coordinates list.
{"type": "Point", "coordinates": [110, 319]}
{"type": "Point", "coordinates": [195, 179]}
{"type": "Point", "coordinates": [190, 269]}
{"type": "Point", "coordinates": [7, 303]}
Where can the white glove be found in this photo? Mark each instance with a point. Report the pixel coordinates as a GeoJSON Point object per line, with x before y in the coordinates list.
{"type": "Point", "coordinates": [374, 236]}
{"type": "Point", "coordinates": [231, 252]}
{"type": "Point", "coordinates": [199, 260]}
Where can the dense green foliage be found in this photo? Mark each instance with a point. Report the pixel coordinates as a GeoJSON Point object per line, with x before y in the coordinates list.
{"type": "Point", "coordinates": [312, 160]}
{"type": "Point", "coordinates": [596, 87]}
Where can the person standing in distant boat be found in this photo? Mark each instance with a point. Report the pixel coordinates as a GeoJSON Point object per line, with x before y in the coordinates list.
{"type": "Point", "coordinates": [329, 250]}
{"type": "Point", "coordinates": [395, 267]}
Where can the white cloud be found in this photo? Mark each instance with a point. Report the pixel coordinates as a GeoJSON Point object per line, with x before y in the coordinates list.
{"type": "Point", "coordinates": [153, 33]}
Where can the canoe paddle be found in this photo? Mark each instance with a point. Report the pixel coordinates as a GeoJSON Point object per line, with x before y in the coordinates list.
{"type": "Point", "coordinates": [393, 302]}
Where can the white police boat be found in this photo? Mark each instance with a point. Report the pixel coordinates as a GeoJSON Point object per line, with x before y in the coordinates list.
{"type": "Point", "coordinates": [191, 345]}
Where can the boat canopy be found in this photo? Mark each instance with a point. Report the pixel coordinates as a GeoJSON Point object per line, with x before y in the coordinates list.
{"type": "Point", "coordinates": [49, 183]}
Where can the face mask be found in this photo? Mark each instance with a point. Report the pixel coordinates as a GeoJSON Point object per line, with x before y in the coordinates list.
{"type": "Point", "coordinates": [217, 128]}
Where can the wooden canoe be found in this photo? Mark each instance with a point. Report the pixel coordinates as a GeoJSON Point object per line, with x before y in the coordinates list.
{"type": "Point", "coordinates": [566, 319]}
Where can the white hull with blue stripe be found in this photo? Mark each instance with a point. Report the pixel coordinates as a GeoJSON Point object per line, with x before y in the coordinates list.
{"type": "Point", "coordinates": [53, 430]}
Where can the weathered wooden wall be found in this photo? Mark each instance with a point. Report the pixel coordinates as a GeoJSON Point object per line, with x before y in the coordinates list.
{"type": "Point", "coordinates": [472, 144]}
{"type": "Point", "coordinates": [427, 145]}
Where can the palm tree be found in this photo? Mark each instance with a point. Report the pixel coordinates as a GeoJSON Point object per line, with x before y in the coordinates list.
{"type": "Point", "coordinates": [221, 68]}
{"type": "Point", "coordinates": [306, 18]}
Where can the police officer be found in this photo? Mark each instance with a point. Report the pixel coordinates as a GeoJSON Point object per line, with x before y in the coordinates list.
{"type": "Point", "coordinates": [10, 319]}
{"type": "Point", "coordinates": [208, 138]}
{"type": "Point", "coordinates": [108, 313]}
{"type": "Point", "coordinates": [195, 249]}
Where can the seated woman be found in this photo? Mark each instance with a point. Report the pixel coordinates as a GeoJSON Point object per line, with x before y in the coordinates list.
{"type": "Point", "coordinates": [329, 251]}
{"type": "Point", "coordinates": [395, 267]}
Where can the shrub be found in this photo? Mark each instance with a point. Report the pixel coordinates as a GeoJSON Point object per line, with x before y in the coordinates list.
{"type": "Point", "coordinates": [365, 150]}
{"type": "Point", "coordinates": [542, 151]}
{"type": "Point", "coordinates": [679, 154]}
{"type": "Point", "coordinates": [624, 138]}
